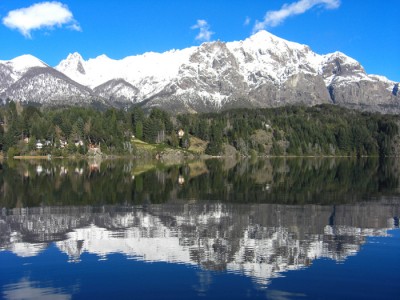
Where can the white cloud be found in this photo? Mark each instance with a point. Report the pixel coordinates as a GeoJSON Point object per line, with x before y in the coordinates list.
{"type": "Point", "coordinates": [276, 17]}
{"type": "Point", "coordinates": [205, 33]}
{"type": "Point", "coordinates": [247, 21]}
{"type": "Point", "coordinates": [44, 15]}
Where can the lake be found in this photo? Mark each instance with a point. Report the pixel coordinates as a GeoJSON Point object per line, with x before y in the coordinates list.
{"type": "Point", "coordinates": [312, 228]}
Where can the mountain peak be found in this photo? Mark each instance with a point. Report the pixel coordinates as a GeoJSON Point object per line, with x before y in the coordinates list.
{"type": "Point", "coordinates": [74, 57]}
{"type": "Point", "coordinates": [263, 35]}
{"type": "Point", "coordinates": [266, 40]}
{"type": "Point", "coordinates": [73, 63]}
{"type": "Point", "coordinates": [342, 57]}
{"type": "Point", "coordinates": [341, 64]}
{"type": "Point", "coordinates": [104, 57]}
{"type": "Point", "coordinates": [25, 62]}
{"type": "Point", "coordinates": [262, 38]}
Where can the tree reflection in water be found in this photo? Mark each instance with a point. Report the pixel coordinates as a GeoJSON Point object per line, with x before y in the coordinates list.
{"type": "Point", "coordinates": [284, 181]}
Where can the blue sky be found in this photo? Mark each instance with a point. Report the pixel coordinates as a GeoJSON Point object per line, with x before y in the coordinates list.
{"type": "Point", "coordinates": [365, 30]}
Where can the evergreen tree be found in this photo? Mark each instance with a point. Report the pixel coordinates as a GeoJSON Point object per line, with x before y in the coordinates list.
{"type": "Point", "coordinates": [139, 130]}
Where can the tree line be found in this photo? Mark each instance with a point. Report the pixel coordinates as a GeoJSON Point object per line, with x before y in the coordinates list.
{"type": "Point", "coordinates": [291, 130]}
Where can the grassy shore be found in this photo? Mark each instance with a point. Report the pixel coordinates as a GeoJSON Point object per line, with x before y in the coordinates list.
{"type": "Point", "coordinates": [29, 157]}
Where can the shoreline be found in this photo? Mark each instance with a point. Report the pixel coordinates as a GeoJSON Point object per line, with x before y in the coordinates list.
{"type": "Point", "coordinates": [190, 157]}
{"type": "Point", "coordinates": [28, 157]}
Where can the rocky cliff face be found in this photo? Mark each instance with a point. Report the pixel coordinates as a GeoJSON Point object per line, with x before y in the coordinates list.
{"type": "Point", "coordinates": [350, 86]}
{"type": "Point", "coordinates": [261, 71]}
{"type": "Point", "coordinates": [117, 91]}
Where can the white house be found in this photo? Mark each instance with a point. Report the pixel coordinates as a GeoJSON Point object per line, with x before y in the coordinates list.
{"type": "Point", "coordinates": [79, 143]}
{"type": "Point", "coordinates": [39, 145]}
{"type": "Point", "coordinates": [63, 143]}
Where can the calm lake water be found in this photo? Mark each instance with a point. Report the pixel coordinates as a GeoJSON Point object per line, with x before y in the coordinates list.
{"type": "Point", "coordinates": [217, 229]}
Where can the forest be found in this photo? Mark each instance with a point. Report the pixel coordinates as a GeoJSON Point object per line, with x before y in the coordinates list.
{"type": "Point", "coordinates": [324, 130]}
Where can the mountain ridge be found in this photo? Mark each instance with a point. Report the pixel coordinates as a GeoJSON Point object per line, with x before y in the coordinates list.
{"type": "Point", "coordinates": [260, 71]}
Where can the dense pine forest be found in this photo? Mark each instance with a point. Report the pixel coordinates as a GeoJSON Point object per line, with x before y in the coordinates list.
{"type": "Point", "coordinates": [293, 130]}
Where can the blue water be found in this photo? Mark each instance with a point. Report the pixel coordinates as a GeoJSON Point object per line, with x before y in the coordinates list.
{"type": "Point", "coordinates": [117, 277]}
{"type": "Point", "coordinates": [279, 229]}
{"type": "Point", "coordinates": [371, 273]}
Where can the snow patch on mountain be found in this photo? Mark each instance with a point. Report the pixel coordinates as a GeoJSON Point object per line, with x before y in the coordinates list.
{"type": "Point", "coordinates": [12, 71]}
{"type": "Point", "coordinates": [24, 62]}
{"type": "Point", "coordinates": [147, 69]}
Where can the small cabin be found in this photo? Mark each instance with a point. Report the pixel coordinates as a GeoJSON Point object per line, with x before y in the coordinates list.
{"type": "Point", "coordinates": [63, 143]}
{"type": "Point", "coordinates": [39, 145]}
{"type": "Point", "coordinates": [94, 147]}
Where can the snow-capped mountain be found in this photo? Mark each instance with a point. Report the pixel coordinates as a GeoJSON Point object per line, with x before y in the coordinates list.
{"type": "Point", "coordinates": [27, 79]}
{"type": "Point", "coordinates": [259, 241]}
{"type": "Point", "coordinates": [135, 77]}
{"type": "Point", "coordinates": [261, 71]}
{"type": "Point", "coordinates": [11, 71]}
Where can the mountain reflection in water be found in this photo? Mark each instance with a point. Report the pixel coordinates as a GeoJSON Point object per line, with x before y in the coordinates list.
{"type": "Point", "coordinates": [89, 228]}
{"type": "Point", "coordinates": [258, 240]}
